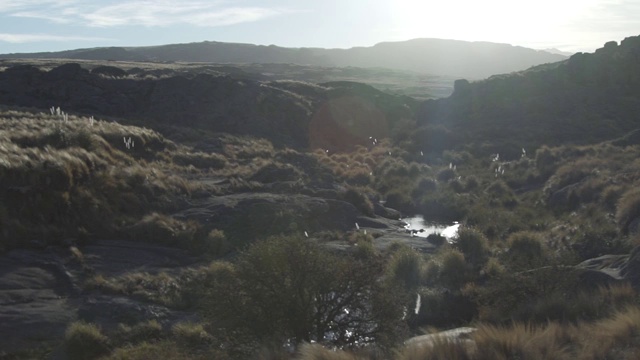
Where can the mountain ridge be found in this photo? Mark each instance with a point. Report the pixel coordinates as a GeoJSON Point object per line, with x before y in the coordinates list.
{"type": "Point", "coordinates": [473, 60]}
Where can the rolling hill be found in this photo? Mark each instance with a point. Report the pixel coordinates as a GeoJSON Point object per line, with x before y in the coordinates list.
{"type": "Point", "coordinates": [472, 60]}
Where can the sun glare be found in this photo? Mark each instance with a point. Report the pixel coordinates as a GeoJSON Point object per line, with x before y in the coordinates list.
{"type": "Point", "coordinates": [492, 20]}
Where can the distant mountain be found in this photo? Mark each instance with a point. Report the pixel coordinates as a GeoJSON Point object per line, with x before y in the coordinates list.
{"type": "Point", "coordinates": [472, 60]}
{"type": "Point", "coordinates": [558, 51]}
{"type": "Point", "coordinates": [583, 100]}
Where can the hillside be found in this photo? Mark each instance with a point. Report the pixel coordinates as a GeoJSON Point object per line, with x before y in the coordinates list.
{"type": "Point", "coordinates": [473, 60]}
{"type": "Point", "coordinates": [582, 100]}
{"type": "Point", "coordinates": [188, 211]}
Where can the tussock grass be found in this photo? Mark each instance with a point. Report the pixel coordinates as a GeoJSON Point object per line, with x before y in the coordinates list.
{"type": "Point", "coordinates": [159, 228]}
{"type": "Point", "coordinates": [145, 331]}
{"type": "Point", "coordinates": [85, 341]}
{"type": "Point", "coordinates": [74, 180]}
{"type": "Point", "coordinates": [166, 350]}
{"type": "Point", "coordinates": [200, 160]}
{"type": "Point", "coordinates": [318, 352]}
{"type": "Point", "coordinates": [616, 337]}
{"type": "Point", "coordinates": [161, 288]}
{"type": "Point", "coordinates": [190, 334]}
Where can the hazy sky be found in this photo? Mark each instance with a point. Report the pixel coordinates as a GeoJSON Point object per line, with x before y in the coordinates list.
{"type": "Point", "coordinates": [569, 25]}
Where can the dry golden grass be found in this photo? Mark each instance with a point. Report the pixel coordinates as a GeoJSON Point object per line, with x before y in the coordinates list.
{"type": "Point", "coordinates": [72, 179]}
{"type": "Point", "coordinates": [616, 337]}
{"type": "Point", "coordinates": [159, 288]}
{"type": "Point", "coordinates": [318, 352]}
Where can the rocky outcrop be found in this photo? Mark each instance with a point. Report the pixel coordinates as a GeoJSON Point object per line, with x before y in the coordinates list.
{"type": "Point", "coordinates": [286, 113]}
{"type": "Point", "coordinates": [255, 215]}
{"type": "Point", "coordinates": [582, 100]}
{"type": "Point", "coordinates": [216, 103]}
{"type": "Point", "coordinates": [41, 292]}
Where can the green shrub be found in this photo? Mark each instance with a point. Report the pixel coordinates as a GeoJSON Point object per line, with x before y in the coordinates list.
{"type": "Point", "coordinates": [399, 199]}
{"type": "Point", "coordinates": [405, 267]}
{"type": "Point", "coordinates": [501, 194]}
{"type": "Point", "coordinates": [526, 250]}
{"type": "Point", "coordinates": [471, 183]}
{"type": "Point", "coordinates": [454, 270]}
{"type": "Point", "coordinates": [493, 268]}
{"type": "Point", "coordinates": [285, 287]}
{"type": "Point", "coordinates": [359, 200]}
{"type": "Point", "coordinates": [446, 174]}
{"type": "Point", "coordinates": [85, 341]}
{"type": "Point", "coordinates": [426, 185]}
{"type": "Point", "coordinates": [474, 245]}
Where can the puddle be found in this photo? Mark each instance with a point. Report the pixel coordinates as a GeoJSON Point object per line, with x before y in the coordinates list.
{"type": "Point", "coordinates": [424, 228]}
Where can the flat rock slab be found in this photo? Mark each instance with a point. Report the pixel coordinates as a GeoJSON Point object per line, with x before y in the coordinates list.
{"type": "Point", "coordinates": [41, 291]}
{"type": "Point", "coordinates": [34, 303]}
{"type": "Point", "coordinates": [112, 258]}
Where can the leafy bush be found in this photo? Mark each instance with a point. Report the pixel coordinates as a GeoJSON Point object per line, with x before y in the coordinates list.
{"type": "Point", "coordinates": [290, 288]}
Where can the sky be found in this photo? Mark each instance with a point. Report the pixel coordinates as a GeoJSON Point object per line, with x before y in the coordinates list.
{"type": "Point", "coordinates": [568, 25]}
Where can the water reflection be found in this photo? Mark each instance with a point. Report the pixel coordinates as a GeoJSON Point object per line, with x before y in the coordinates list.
{"type": "Point", "coordinates": [421, 228]}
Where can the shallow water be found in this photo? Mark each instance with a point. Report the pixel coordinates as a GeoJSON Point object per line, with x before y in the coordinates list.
{"type": "Point", "coordinates": [417, 222]}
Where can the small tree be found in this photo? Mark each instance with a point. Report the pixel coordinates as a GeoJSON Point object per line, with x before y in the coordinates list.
{"type": "Point", "coordinates": [289, 288]}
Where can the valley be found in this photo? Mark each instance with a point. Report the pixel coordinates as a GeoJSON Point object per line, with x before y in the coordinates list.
{"type": "Point", "coordinates": [197, 210]}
